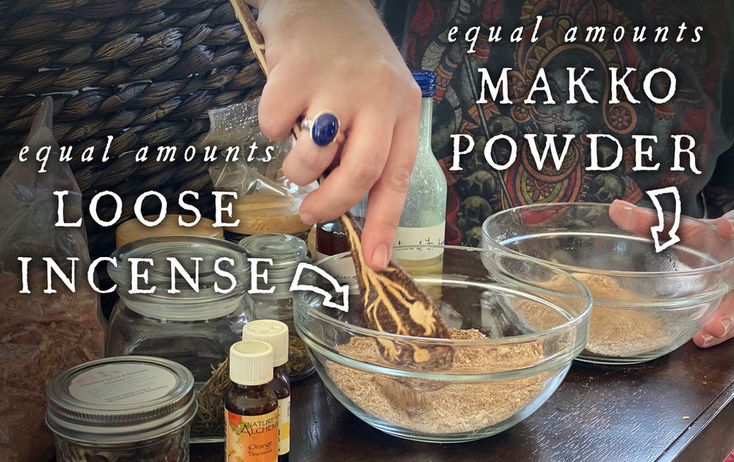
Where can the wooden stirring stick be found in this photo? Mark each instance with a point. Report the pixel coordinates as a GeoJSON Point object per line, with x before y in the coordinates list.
{"type": "Point", "coordinates": [392, 301]}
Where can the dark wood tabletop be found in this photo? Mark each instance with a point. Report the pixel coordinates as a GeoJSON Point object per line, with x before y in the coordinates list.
{"type": "Point", "coordinates": [675, 408]}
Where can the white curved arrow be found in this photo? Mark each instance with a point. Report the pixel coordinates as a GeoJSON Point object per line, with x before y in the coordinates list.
{"type": "Point", "coordinates": [342, 290]}
{"type": "Point", "coordinates": [657, 229]}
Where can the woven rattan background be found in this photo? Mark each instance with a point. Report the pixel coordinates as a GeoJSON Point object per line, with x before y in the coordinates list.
{"type": "Point", "coordinates": [144, 71]}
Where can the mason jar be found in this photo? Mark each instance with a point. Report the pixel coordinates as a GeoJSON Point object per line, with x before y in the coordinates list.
{"type": "Point", "coordinates": [125, 408]}
{"type": "Point", "coordinates": [286, 253]}
{"type": "Point", "coordinates": [175, 321]}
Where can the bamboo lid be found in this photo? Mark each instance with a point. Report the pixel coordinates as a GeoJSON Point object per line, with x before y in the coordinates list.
{"type": "Point", "coordinates": [262, 213]}
{"type": "Point", "coordinates": [133, 230]}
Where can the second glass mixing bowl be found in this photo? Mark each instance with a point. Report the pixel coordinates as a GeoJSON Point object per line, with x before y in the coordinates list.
{"type": "Point", "coordinates": [646, 304]}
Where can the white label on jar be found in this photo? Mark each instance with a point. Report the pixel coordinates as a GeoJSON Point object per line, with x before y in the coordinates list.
{"type": "Point", "coordinates": [284, 426]}
{"type": "Point", "coordinates": [122, 384]}
{"type": "Point", "coordinates": [342, 269]}
{"type": "Point", "coordinates": [429, 235]}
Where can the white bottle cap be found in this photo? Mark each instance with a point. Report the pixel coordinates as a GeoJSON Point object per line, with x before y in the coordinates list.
{"type": "Point", "coordinates": [251, 363]}
{"type": "Point", "coordinates": [272, 332]}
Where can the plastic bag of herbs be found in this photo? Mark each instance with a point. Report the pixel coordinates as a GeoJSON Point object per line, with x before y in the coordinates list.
{"type": "Point", "coordinates": [40, 334]}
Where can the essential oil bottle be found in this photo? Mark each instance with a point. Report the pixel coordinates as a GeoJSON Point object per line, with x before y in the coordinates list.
{"type": "Point", "coordinates": [275, 333]}
{"type": "Point", "coordinates": [251, 407]}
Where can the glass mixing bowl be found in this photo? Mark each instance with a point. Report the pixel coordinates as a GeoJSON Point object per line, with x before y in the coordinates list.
{"type": "Point", "coordinates": [513, 340]}
{"type": "Point", "coordinates": [646, 304]}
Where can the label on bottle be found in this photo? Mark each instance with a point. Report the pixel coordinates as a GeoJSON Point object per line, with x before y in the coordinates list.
{"type": "Point", "coordinates": [284, 426]}
{"type": "Point", "coordinates": [342, 269]}
{"type": "Point", "coordinates": [251, 438]}
{"type": "Point", "coordinates": [428, 235]}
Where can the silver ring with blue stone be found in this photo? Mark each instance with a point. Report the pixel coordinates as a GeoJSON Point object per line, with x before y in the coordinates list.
{"type": "Point", "coordinates": [324, 128]}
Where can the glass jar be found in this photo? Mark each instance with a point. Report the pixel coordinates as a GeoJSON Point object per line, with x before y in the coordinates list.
{"type": "Point", "coordinates": [286, 252]}
{"type": "Point", "coordinates": [236, 238]}
{"type": "Point", "coordinates": [195, 329]}
{"type": "Point", "coordinates": [134, 230]}
{"type": "Point", "coordinates": [124, 408]}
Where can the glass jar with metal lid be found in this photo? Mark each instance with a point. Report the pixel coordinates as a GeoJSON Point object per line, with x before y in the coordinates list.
{"type": "Point", "coordinates": [286, 252]}
{"type": "Point", "coordinates": [124, 408]}
{"type": "Point", "coordinates": [192, 327]}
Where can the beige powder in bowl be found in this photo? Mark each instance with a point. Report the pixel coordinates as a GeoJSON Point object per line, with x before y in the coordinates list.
{"type": "Point", "coordinates": [443, 408]}
{"type": "Point", "coordinates": [622, 332]}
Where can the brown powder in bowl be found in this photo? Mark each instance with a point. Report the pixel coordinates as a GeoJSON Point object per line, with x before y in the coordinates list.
{"type": "Point", "coordinates": [443, 408]}
{"type": "Point", "coordinates": [622, 332]}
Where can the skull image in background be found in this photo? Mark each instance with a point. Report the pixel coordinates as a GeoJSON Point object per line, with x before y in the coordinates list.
{"type": "Point", "coordinates": [481, 183]}
{"type": "Point", "coordinates": [605, 188]}
{"type": "Point", "coordinates": [607, 156]}
{"type": "Point", "coordinates": [474, 161]}
{"type": "Point", "coordinates": [502, 125]}
{"type": "Point", "coordinates": [473, 237]}
{"type": "Point", "coordinates": [474, 210]}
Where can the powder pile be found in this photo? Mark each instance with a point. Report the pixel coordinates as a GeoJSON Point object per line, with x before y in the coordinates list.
{"type": "Point", "coordinates": [621, 332]}
{"type": "Point", "coordinates": [442, 407]}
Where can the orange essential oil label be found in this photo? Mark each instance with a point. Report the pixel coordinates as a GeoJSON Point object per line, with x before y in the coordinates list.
{"type": "Point", "coordinates": [252, 438]}
{"type": "Point", "coordinates": [284, 420]}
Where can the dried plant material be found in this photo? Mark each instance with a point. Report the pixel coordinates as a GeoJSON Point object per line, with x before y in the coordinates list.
{"type": "Point", "coordinates": [298, 360]}
{"type": "Point", "coordinates": [209, 419]}
{"type": "Point", "coordinates": [449, 407]}
{"type": "Point", "coordinates": [40, 335]}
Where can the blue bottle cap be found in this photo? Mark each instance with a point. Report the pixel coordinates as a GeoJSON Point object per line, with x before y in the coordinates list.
{"type": "Point", "coordinates": [427, 81]}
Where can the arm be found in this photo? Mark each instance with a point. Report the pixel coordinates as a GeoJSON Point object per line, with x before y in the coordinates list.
{"type": "Point", "coordinates": [336, 55]}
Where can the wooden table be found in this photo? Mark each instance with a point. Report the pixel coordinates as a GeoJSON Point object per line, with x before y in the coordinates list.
{"type": "Point", "coordinates": [676, 408]}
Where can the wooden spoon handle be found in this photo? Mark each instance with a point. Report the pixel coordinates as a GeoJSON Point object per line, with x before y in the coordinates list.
{"type": "Point", "coordinates": [392, 301]}
{"type": "Point", "coordinates": [257, 41]}
{"type": "Point", "coordinates": [254, 36]}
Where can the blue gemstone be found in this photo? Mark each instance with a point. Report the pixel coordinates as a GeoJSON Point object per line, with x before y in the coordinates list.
{"type": "Point", "coordinates": [324, 129]}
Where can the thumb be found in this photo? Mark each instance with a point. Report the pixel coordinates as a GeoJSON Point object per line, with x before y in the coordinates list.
{"type": "Point", "coordinates": [720, 325]}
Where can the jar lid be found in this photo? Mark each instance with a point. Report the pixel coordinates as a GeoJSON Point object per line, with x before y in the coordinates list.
{"type": "Point", "coordinates": [134, 230]}
{"type": "Point", "coordinates": [222, 266]}
{"type": "Point", "coordinates": [272, 332]}
{"type": "Point", "coordinates": [251, 362]}
{"type": "Point", "coordinates": [120, 400]}
{"type": "Point", "coordinates": [262, 212]}
{"type": "Point", "coordinates": [285, 250]}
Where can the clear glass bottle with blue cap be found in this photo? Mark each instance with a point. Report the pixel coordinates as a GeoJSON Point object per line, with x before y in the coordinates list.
{"type": "Point", "coordinates": [423, 221]}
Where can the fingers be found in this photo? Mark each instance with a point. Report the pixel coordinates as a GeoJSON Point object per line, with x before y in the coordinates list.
{"type": "Point", "coordinates": [633, 219]}
{"type": "Point", "coordinates": [307, 161]}
{"type": "Point", "coordinates": [281, 104]}
{"type": "Point", "coordinates": [387, 197]}
{"type": "Point", "coordinates": [639, 220]}
{"type": "Point", "coordinates": [363, 158]}
{"type": "Point", "coordinates": [719, 327]}
{"type": "Point", "coordinates": [724, 228]}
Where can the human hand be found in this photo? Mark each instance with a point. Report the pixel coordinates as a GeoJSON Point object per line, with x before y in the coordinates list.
{"type": "Point", "coordinates": [335, 55]}
{"type": "Point", "coordinates": [720, 325]}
